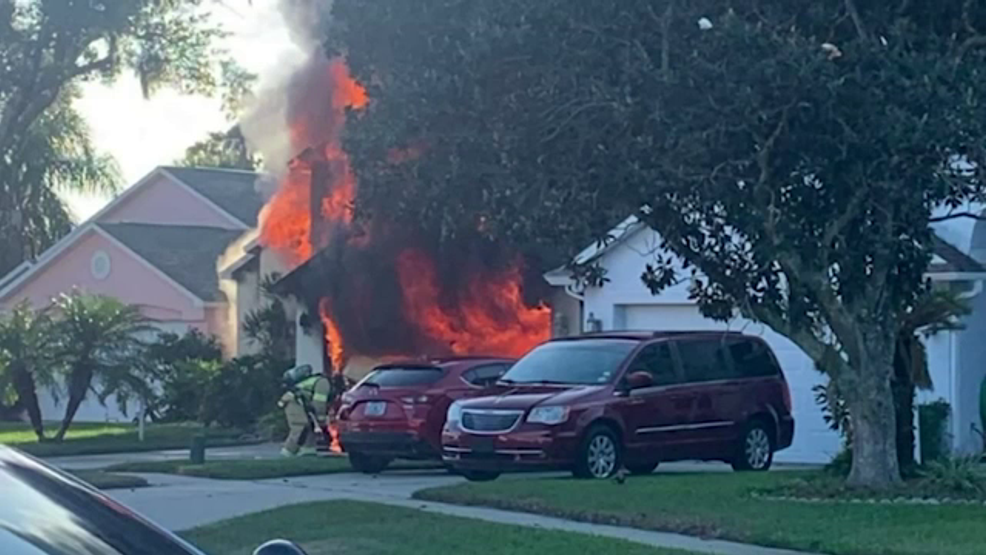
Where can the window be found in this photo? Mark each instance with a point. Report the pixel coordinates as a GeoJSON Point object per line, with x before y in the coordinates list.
{"type": "Point", "coordinates": [752, 358]}
{"type": "Point", "coordinates": [484, 376]}
{"type": "Point", "coordinates": [391, 376]}
{"type": "Point", "coordinates": [705, 360]}
{"type": "Point", "coordinates": [581, 361]}
{"type": "Point", "coordinates": [656, 360]}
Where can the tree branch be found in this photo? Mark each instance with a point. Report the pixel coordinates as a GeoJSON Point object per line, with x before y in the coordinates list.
{"type": "Point", "coordinates": [956, 215]}
{"type": "Point", "coordinates": [856, 19]}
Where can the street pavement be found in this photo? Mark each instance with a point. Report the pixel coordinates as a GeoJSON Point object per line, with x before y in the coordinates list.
{"type": "Point", "coordinates": [181, 503]}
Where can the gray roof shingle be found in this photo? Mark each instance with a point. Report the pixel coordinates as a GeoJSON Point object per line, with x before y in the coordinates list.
{"type": "Point", "coordinates": [186, 254]}
{"type": "Point", "coordinates": [232, 190]}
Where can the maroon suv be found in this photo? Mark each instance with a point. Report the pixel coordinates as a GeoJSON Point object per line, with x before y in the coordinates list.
{"type": "Point", "coordinates": [598, 403]}
{"type": "Point", "coordinates": [398, 410]}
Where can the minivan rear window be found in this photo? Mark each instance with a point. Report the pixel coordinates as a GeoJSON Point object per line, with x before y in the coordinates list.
{"type": "Point", "coordinates": [403, 377]}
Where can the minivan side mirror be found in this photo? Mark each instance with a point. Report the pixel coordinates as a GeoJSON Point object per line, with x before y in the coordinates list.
{"type": "Point", "coordinates": [640, 380]}
{"type": "Point", "coordinates": [279, 547]}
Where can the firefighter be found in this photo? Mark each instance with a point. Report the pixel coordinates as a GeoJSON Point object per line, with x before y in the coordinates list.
{"type": "Point", "coordinates": [305, 405]}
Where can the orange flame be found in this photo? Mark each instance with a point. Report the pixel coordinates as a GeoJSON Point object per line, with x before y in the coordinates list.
{"type": "Point", "coordinates": [493, 319]}
{"type": "Point", "coordinates": [489, 317]}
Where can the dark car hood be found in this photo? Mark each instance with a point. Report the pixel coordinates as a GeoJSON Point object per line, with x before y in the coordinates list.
{"type": "Point", "coordinates": [524, 398]}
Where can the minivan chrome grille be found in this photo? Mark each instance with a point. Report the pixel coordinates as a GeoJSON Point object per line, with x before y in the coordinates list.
{"type": "Point", "coordinates": [490, 421]}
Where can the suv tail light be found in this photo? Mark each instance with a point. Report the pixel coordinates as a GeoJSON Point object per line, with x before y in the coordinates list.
{"type": "Point", "coordinates": [787, 398]}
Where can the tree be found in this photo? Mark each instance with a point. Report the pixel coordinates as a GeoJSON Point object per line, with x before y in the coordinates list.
{"type": "Point", "coordinates": [46, 50]}
{"type": "Point", "coordinates": [789, 154]}
{"type": "Point", "coordinates": [184, 365]}
{"type": "Point", "coordinates": [98, 340]}
{"type": "Point", "coordinates": [221, 150]}
{"type": "Point", "coordinates": [26, 359]}
{"type": "Point", "coordinates": [58, 157]}
{"type": "Point", "coordinates": [269, 326]}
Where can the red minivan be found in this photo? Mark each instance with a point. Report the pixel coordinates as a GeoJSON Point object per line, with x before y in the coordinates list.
{"type": "Point", "coordinates": [597, 403]}
{"type": "Point", "coordinates": [398, 410]}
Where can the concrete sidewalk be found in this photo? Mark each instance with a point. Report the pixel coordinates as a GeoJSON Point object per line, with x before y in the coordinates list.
{"type": "Point", "coordinates": [181, 503]}
{"type": "Point", "coordinates": [82, 462]}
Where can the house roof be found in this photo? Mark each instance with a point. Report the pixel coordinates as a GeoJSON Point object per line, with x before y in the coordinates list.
{"type": "Point", "coordinates": [231, 190]}
{"type": "Point", "coordinates": [950, 260]}
{"type": "Point", "coordinates": [186, 254]}
{"type": "Point", "coordinates": [948, 263]}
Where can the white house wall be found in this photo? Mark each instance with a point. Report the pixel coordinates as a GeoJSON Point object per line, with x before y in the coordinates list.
{"type": "Point", "coordinates": [626, 303]}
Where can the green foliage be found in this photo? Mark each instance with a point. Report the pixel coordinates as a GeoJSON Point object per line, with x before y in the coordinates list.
{"type": "Point", "coordinates": [183, 365]}
{"type": "Point", "coordinates": [26, 361]}
{"type": "Point", "coordinates": [269, 326]}
{"type": "Point", "coordinates": [97, 339]}
{"type": "Point", "coordinates": [221, 150]}
{"type": "Point", "coordinates": [933, 419]}
{"type": "Point", "coordinates": [790, 154]}
{"type": "Point", "coordinates": [47, 50]}
{"type": "Point", "coordinates": [243, 390]}
{"type": "Point", "coordinates": [956, 475]}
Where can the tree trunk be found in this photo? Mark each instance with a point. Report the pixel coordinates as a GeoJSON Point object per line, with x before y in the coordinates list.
{"type": "Point", "coordinates": [79, 382]}
{"type": "Point", "coordinates": [904, 392]}
{"type": "Point", "coordinates": [871, 404]}
{"type": "Point", "coordinates": [26, 390]}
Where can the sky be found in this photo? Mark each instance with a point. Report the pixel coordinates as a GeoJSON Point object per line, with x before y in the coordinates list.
{"type": "Point", "coordinates": [142, 134]}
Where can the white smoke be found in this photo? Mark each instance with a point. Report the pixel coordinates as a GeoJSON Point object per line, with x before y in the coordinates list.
{"type": "Point", "coordinates": [290, 86]}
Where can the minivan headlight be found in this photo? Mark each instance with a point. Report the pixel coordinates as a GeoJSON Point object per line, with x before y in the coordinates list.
{"type": "Point", "coordinates": [454, 414]}
{"type": "Point", "coordinates": [548, 415]}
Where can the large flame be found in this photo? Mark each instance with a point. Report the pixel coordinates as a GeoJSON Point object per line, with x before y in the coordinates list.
{"type": "Point", "coordinates": [385, 297]}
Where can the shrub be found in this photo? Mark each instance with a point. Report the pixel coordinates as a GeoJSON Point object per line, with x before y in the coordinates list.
{"type": "Point", "coordinates": [183, 365]}
{"type": "Point", "coordinates": [933, 418]}
{"type": "Point", "coordinates": [961, 476]}
{"type": "Point", "coordinates": [243, 390]}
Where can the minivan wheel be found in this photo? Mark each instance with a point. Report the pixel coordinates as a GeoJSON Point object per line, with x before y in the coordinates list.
{"type": "Point", "coordinates": [368, 464]}
{"type": "Point", "coordinates": [756, 448]}
{"type": "Point", "coordinates": [600, 455]}
{"type": "Point", "coordinates": [479, 475]}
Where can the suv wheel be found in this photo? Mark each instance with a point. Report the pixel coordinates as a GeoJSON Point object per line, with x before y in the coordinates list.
{"type": "Point", "coordinates": [642, 468]}
{"type": "Point", "coordinates": [479, 475]}
{"type": "Point", "coordinates": [368, 464]}
{"type": "Point", "coordinates": [756, 448]}
{"type": "Point", "coordinates": [600, 455]}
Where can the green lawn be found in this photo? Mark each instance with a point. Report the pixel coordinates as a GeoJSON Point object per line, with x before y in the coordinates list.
{"type": "Point", "coordinates": [350, 527]}
{"type": "Point", "coordinates": [256, 469]}
{"type": "Point", "coordinates": [86, 438]}
{"type": "Point", "coordinates": [719, 505]}
{"type": "Point", "coordinates": [109, 480]}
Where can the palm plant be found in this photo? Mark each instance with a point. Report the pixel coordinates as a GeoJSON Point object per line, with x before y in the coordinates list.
{"type": "Point", "coordinates": [269, 326]}
{"type": "Point", "coordinates": [57, 157]}
{"type": "Point", "coordinates": [26, 360]}
{"type": "Point", "coordinates": [99, 338]}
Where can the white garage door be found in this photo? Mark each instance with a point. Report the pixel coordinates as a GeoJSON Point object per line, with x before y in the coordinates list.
{"type": "Point", "coordinates": [813, 441]}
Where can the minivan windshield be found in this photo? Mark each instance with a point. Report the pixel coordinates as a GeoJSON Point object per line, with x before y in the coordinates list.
{"type": "Point", "coordinates": [588, 361]}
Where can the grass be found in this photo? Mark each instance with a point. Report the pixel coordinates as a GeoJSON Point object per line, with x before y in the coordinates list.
{"type": "Point", "coordinates": [721, 506]}
{"type": "Point", "coordinates": [108, 480]}
{"type": "Point", "coordinates": [254, 469]}
{"type": "Point", "coordinates": [86, 438]}
{"type": "Point", "coordinates": [344, 527]}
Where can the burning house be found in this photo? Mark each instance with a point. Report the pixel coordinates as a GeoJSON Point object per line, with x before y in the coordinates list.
{"type": "Point", "coordinates": [378, 290]}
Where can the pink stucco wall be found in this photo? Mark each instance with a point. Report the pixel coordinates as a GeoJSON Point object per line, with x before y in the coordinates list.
{"type": "Point", "coordinates": [164, 202]}
{"type": "Point", "coordinates": [129, 280]}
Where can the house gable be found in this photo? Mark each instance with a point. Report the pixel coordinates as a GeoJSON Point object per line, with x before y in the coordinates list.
{"type": "Point", "coordinates": [97, 264]}
{"type": "Point", "coordinates": [161, 199]}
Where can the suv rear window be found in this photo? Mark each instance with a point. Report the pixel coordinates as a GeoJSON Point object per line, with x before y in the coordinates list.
{"type": "Point", "coordinates": [752, 358]}
{"type": "Point", "coordinates": [402, 377]}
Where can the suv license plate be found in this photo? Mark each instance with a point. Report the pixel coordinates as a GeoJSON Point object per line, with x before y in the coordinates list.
{"type": "Point", "coordinates": [483, 444]}
{"type": "Point", "coordinates": [376, 408]}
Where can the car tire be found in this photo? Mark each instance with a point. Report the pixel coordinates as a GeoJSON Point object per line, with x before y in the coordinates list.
{"type": "Point", "coordinates": [642, 469]}
{"type": "Point", "coordinates": [368, 464]}
{"type": "Point", "coordinates": [755, 451]}
{"type": "Point", "coordinates": [600, 454]}
{"type": "Point", "coordinates": [479, 475]}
